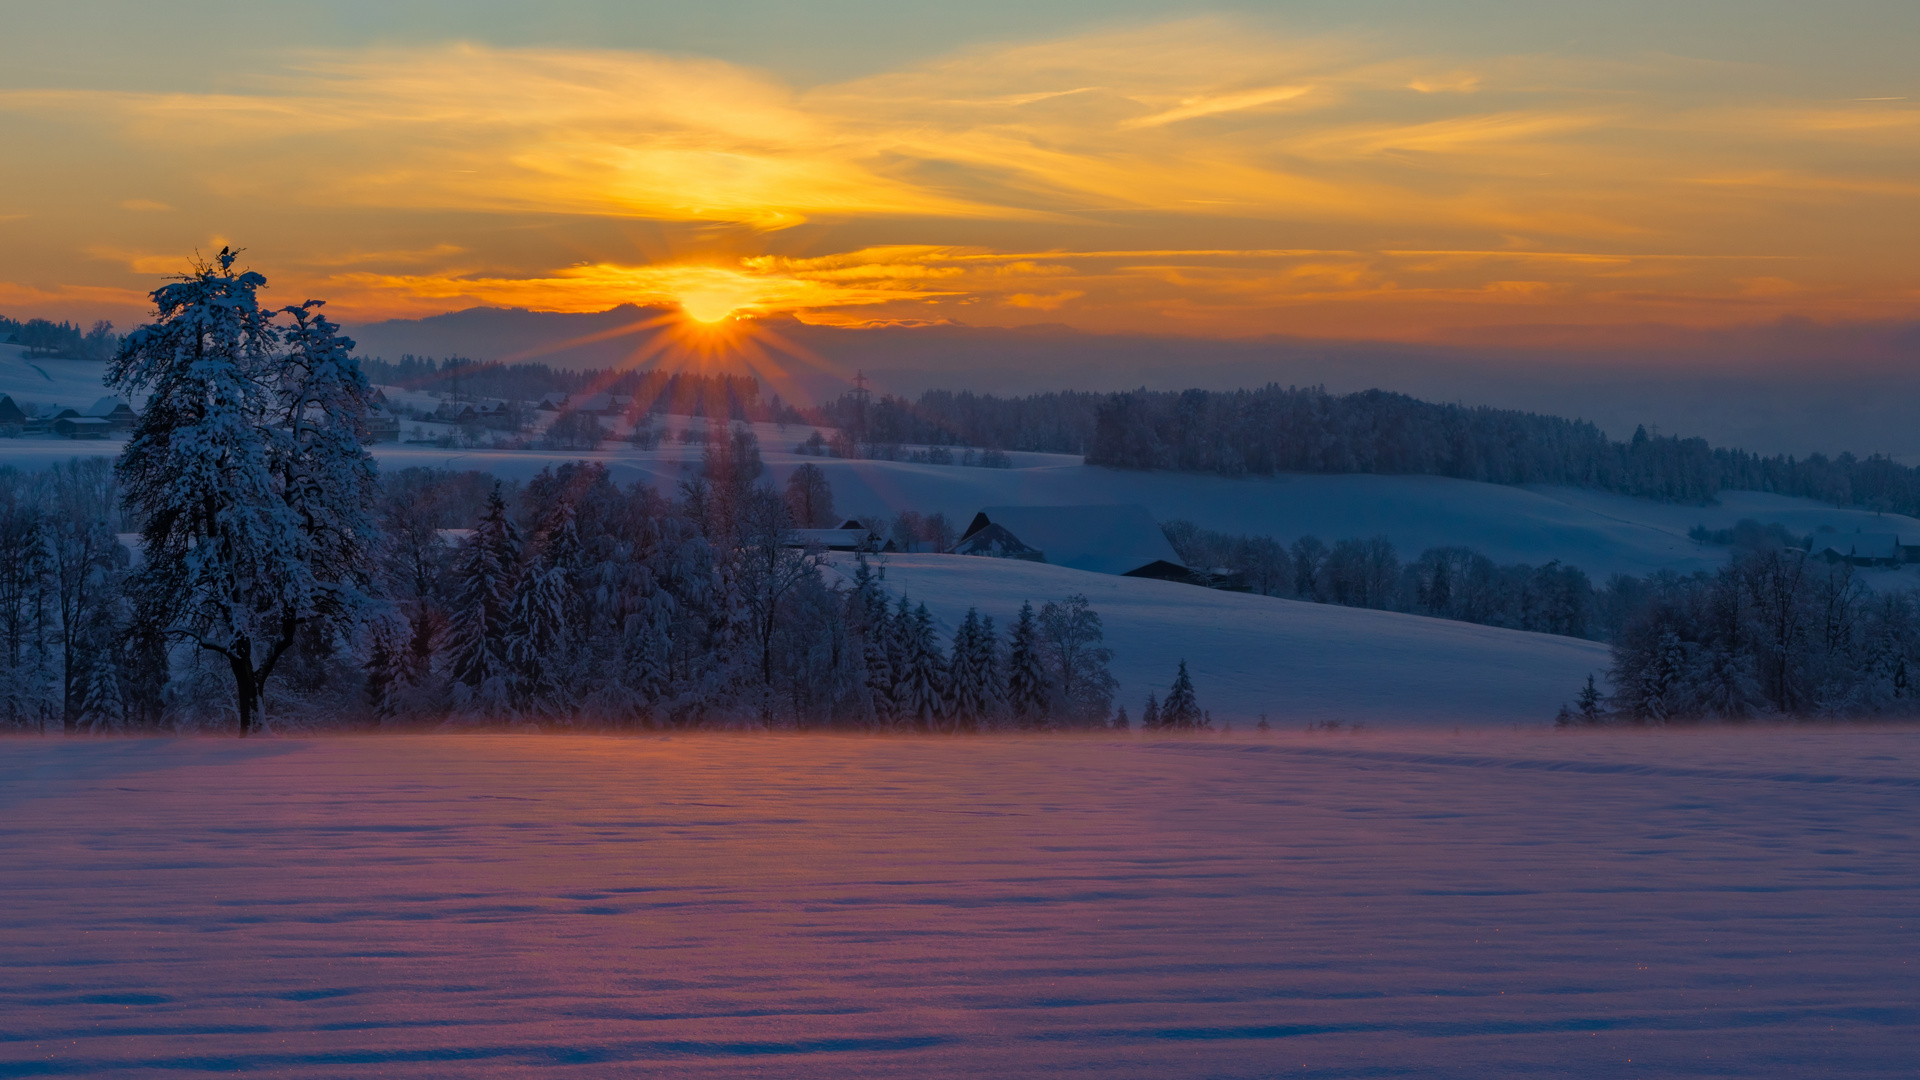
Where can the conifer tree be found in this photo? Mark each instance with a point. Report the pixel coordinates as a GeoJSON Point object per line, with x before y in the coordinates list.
{"type": "Point", "coordinates": [536, 633]}
{"type": "Point", "coordinates": [543, 621]}
{"type": "Point", "coordinates": [102, 708]}
{"type": "Point", "coordinates": [919, 694]}
{"type": "Point", "coordinates": [1150, 718]}
{"type": "Point", "coordinates": [1120, 721]}
{"type": "Point", "coordinates": [991, 674]}
{"type": "Point", "coordinates": [1181, 710]}
{"type": "Point", "coordinates": [1026, 678]}
{"type": "Point", "coordinates": [484, 573]}
{"type": "Point", "coordinates": [965, 679]}
{"type": "Point", "coordinates": [867, 611]}
{"type": "Point", "coordinates": [1589, 702]}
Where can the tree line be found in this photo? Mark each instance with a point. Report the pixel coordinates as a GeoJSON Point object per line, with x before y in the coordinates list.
{"type": "Point", "coordinates": [1445, 582]}
{"type": "Point", "coordinates": [279, 574]}
{"type": "Point", "coordinates": [1274, 429]}
{"type": "Point", "coordinates": [574, 600]}
{"type": "Point", "coordinates": [44, 337]}
{"type": "Point", "coordinates": [1773, 633]}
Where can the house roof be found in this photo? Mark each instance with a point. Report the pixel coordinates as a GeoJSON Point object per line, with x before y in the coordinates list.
{"type": "Point", "coordinates": [107, 406]}
{"type": "Point", "coordinates": [1858, 545]}
{"type": "Point", "coordinates": [1104, 539]}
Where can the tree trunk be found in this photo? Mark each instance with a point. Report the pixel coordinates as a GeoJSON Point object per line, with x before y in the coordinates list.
{"type": "Point", "coordinates": [246, 690]}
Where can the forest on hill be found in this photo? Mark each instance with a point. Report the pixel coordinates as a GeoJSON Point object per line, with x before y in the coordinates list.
{"type": "Point", "coordinates": [1278, 429]}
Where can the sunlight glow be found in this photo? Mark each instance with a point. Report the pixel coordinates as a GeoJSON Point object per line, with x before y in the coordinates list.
{"type": "Point", "coordinates": [1655, 205]}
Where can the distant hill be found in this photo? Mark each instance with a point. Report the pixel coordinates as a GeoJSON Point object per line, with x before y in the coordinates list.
{"type": "Point", "coordinates": [1777, 389]}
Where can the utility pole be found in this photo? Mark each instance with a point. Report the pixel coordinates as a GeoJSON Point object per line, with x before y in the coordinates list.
{"type": "Point", "coordinates": [861, 395]}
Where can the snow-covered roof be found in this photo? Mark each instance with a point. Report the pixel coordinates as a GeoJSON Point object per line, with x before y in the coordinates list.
{"type": "Point", "coordinates": [1104, 539]}
{"type": "Point", "coordinates": [107, 406]}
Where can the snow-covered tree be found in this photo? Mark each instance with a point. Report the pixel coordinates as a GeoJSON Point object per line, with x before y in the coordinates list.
{"type": "Point", "coordinates": [920, 693]}
{"type": "Point", "coordinates": [101, 706]}
{"type": "Point", "coordinates": [29, 628]}
{"type": "Point", "coordinates": [248, 473]}
{"type": "Point", "coordinates": [537, 629]}
{"type": "Point", "coordinates": [866, 613]}
{"type": "Point", "coordinates": [971, 673]}
{"type": "Point", "coordinates": [1150, 716]}
{"type": "Point", "coordinates": [1027, 690]}
{"type": "Point", "coordinates": [87, 562]}
{"type": "Point", "coordinates": [485, 571]}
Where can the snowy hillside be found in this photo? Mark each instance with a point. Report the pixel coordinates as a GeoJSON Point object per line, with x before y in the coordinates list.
{"type": "Point", "coordinates": [46, 381]}
{"type": "Point", "coordinates": [1599, 532]}
{"type": "Point", "coordinates": [1295, 662]}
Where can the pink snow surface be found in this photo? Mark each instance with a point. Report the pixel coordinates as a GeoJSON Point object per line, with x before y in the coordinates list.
{"type": "Point", "coordinates": [1724, 903]}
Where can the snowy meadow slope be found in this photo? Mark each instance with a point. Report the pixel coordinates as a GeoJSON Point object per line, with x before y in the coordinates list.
{"type": "Point", "coordinates": [1291, 661]}
{"type": "Point", "coordinates": [1599, 532]}
{"type": "Point", "coordinates": [1715, 903]}
{"type": "Point", "coordinates": [44, 381]}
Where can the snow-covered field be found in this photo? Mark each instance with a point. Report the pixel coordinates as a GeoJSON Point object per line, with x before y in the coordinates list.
{"type": "Point", "coordinates": [1733, 902]}
{"type": "Point", "coordinates": [1599, 532]}
{"type": "Point", "coordinates": [47, 381]}
{"type": "Point", "coordinates": [1292, 661]}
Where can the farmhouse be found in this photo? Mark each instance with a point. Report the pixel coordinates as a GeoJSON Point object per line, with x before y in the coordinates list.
{"type": "Point", "coordinates": [1121, 540]}
{"type": "Point", "coordinates": [11, 413]}
{"type": "Point", "coordinates": [382, 425]}
{"type": "Point", "coordinates": [114, 411]}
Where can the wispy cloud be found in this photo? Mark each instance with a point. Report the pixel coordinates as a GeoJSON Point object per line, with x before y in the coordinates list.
{"type": "Point", "coordinates": [1323, 179]}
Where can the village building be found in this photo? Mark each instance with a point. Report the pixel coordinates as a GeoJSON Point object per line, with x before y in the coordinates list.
{"type": "Point", "coordinates": [382, 425]}
{"type": "Point", "coordinates": [10, 413]}
{"type": "Point", "coordinates": [115, 411]}
{"type": "Point", "coordinates": [1123, 540]}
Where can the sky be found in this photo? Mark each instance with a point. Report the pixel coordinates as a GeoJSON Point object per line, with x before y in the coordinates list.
{"type": "Point", "coordinates": [1499, 172]}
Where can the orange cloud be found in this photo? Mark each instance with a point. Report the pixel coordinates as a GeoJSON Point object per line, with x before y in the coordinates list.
{"type": "Point", "coordinates": [1322, 182]}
